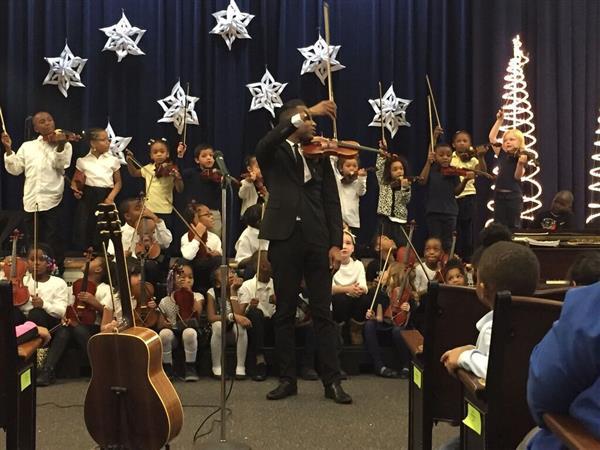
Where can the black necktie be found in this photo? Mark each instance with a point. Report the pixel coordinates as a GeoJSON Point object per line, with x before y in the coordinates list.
{"type": "Point", "coordinates": [299, 162]}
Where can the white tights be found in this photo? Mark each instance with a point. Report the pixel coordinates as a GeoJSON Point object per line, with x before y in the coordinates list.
{"type": "Point", "coordinates": [190, 344]}
{"type": "Point", "coordinates": [215, 348]}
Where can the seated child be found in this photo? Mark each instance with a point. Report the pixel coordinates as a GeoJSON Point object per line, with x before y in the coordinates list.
{"type": "Point", "coordinates": [256, 297]}
{"type": "Point", "coordinates": [560, 216]}
{"type": "Point", "coordinates": [236, 324]}
{"type": "Point", "coordinates": [348, 289]}
{"type": "Point", "coordinates": [585, 269]}
{"type": "Point", "coordinates": [503, 266]}
{"type": "Point", "coordinates": [454, 273]}
{"type": "Point", "coordinates": [390, 323]}
{"type": "Point", "coordinates": [381, 245]}
{"type": "Point", "coordinates": [248, 243]}
{"type": "Point", "coordinates": [182, 329]}
{"type": "Point", "coordinates": [432, 259]}
{"type": "Point", "coordinates": [249, 193]}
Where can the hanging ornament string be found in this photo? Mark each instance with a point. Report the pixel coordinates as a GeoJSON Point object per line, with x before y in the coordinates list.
{"type": "Point", "coordinates": [328, 62]}
{"type": "Point", "coordinates": [437, 116]}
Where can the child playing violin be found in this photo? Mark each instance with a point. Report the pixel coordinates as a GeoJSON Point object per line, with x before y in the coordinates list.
{"type": "Point", "coordinates": [203, 183]}
{"type": "Point", "coordinates": [73, 328]}
{"type": "Point", "coordinates": [99, 171]}
{"type": "Point", "coordinates": [183, 320]}
{"type": "Point", "coordinates": [466, 157]}
{"type": "Point", "coordinates": [257, 297]}
{"type": "Point", "coordinates": [508, 194]}
{"type": "Point", "coordinates": [49, 297]}
{"type": "Point", "coordinates": [249, 243]}
{"type": "Point", "coordinates": [252, 188]}
{"type": "Point", "coordinates": [381, 245]}
{"type": "Point", "coordinates": [394, 194]}
{"type": "Point", "coordinates": [396, 297]}
{"type": "Point", "coordinates": [441, 209]}
{"type": "Point", "coordinates": [348, 289]}
{"type": "Point", "coordinates": [43, 161]}
{"type": "Point", "coordinates": [202, 247]}
{"type": "Point", "coordinates": [352, 184]}
{"type": "Point", "coordinates": [161, 177]}
{"type": "Point", "coordinates": [236, 323]}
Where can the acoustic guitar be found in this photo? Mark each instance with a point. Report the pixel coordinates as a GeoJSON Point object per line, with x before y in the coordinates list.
{"type": "Point", "coordinates": [130, 402]}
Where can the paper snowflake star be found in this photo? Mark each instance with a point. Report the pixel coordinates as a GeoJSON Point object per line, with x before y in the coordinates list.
{"type": "Point", "coordinates": [118, 144]}
{"type": "Point", "coordinates": [392, 112]}
{"type": "Point", "coordinates": [266, 93]}
{"type": "Point", "coordinates": [232, 23]}
{"type": "Point", "coordinates": [316, 58]}
{"type": "Point", "coordinates": [123, 39]}
{"type": "Point", "coordinates": [65, 71]}
{"type": "Point", "coordinates": [175, 108]}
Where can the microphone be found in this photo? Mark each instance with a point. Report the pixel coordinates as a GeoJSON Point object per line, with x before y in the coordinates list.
{"type": "Point", "coordinates": [221, 164]}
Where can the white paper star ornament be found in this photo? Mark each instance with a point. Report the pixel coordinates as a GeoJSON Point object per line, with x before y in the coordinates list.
{"type": "Point", "coordinates": [316, 57]}
{"type": "Point", "coordinates": [175, 108]}
{"type": "Point", "coordinates": [123, 39]}
{"type": "Point", "coordinates": [266, 93]}
{"type": "Point", "coordinates": [391, 110]}
{"type": "Point", "coordinates": [118, 144]}
{"type": "Point", "coordinates": [65, 71]}
{"type": "Point", "coordinates": [232, 23]}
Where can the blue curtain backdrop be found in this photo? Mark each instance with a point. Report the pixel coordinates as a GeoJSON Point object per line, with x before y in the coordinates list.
{"type": "Point", "coordinates": [463, 45]}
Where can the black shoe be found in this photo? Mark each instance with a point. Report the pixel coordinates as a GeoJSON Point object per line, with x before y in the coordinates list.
{"type": "Point", "coordinates": [45, 377]}
{"type": "Point", "coordinates": [285, 389]}
{"type": "Point", "coordinates": [405, 373]}
{"type": "Point", "coordinates": [168, 369]}
{"type": "Point", "coordinates": [190, 372]}
{"type": "Point", "coordinates": [261, 372]}
{"type": "Point", "coordinates": [309, 374]}
{"type": "Point", "coordinates": [336, 392]}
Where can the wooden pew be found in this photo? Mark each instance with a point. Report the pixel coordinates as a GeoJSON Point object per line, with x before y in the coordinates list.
{"type": "Point", "coordinates": [571, 432]}
{"type": "Point", "coordinates": [552, 293]}
{"type": "Point", "coordinates": [496, 409]}
{"type": "Point", "coordinates": [17, 379]}
{"type": "Point", "coordinates": [451, 313]}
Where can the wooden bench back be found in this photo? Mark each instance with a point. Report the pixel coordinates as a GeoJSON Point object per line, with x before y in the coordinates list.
{"type": "Point", "coordinates": [8, 354]}
{"type": "Point", "coordinates": [450, 317]}
{"type": "Point", "coordinates": [519, 325]}
{"type": "Point", "coordinates": [555, 293]}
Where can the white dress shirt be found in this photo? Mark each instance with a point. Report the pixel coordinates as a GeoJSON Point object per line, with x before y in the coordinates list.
{"type": "Point", "coordinates": [349, 195]}
{"type": "Point", "coordinates": [248, 195]}
{"type": "Point", "coordinates": [307, 174]}
{"type": "Point", "coordinates": [253, 288]}
{"type": "Point", "coordinates": [44, 168]}
{"type": "Point", "coordinates": [189, 249]}
{"type": "Point", "coordinates": [107, 302]}
{"type": "Point", "coordinates": [54, 292]}
{"type": "Point", "coordinates": [99, 172]}
{"type": "Point", "coordinates": [248, 244]}
{"type": "Point", "coordinates": [420, 277]}
{"type": "Point", "coordinates": [476, 360]}
{"type": "Point", "coordinates": [129, 238]}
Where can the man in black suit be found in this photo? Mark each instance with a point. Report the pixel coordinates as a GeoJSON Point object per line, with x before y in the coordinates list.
{"type": "Point", "coordinates": [303, 223]}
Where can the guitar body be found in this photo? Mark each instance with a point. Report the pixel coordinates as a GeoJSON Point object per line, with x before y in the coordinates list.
{"type": "Point", "coordinates": [130, 402]}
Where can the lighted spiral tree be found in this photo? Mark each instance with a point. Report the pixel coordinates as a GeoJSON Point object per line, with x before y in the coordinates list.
{"type": "Point", "coordinates": [518, 114]}
{"type": "Point", "coordinates": [594, 188]}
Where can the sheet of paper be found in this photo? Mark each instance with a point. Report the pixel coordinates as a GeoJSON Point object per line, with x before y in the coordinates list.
{"type": "Point", "coordinates": [473, 419]}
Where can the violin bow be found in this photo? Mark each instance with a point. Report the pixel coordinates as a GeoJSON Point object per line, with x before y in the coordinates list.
{"type": "Point", "coordinates": [185, 110]}
{"type": "Point", "coordinates": [431, 143]}
{"type": "Point", "coordinates": [437, 116]}
{"type": "Point", "coordinates": [328, 62]}
{"type": "Point", "coordinates": [2, 120]}
{"type": "Point", "coordinates": [416, 254]}
{"type": "Point", "coordinates": [381, 113]}
{"type": "Point", "coordinates": [188, 225]}
{"type": "Point", "coordinates": [380, 277]}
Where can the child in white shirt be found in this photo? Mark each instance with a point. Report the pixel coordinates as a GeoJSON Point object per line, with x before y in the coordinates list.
{"type": "Point", "coordinates": [352, 184]}
{"type": "Point", "coordinates": [249, 243]}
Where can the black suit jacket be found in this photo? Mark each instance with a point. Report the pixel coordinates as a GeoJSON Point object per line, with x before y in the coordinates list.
{"type": "Point", "coordinates": [316, 202]}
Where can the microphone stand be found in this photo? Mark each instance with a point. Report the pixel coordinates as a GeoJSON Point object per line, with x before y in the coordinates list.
{"type": "Point", "coordinates": [223, 443]}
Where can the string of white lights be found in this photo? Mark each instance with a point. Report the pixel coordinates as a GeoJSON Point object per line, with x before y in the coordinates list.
{"type": "Point", "coordinates": [518, 114]}
{"type": "Point", "coordinates": [594, 206]}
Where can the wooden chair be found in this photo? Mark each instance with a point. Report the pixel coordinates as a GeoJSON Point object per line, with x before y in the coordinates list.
{"type": "Point", "coordinates": [495, 410]}
{"type": "Point", "coordinates": [571, 432]}
{"type": "Point", "coordinates": [451, 313]}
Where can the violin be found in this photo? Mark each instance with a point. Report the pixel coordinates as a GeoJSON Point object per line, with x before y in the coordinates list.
{"type": "Point", "coordinates": [147, 246]}
{"type": "Point", "coordinates": [211, 175]}
{"type": "Point", "coordinates": [183, 297]}
{"type": "Point", "coordinates": [450, 171]}
{"type": "Point", "coordinates": [397, 184]}
{"type": "Point", "coordinates": [59, 136]}
{"type": "Point", "coordinates": [143, 291]}
{"type": "Point", "coordinates": [203, 249]}
{"type": "Point", "coordinates": [259, 183]}
{"type": "Point", "coordinates": [403, 293]}
{"type": "Point", "coordinates": [15, 269]}
{"type": "Point", "coordinates": [353, 176]}
{"type": "Point", "coordinates": [322, 146]}
{"type": "Point", "coordinates": [166, 169]}
{"type": "Point", "coordinates": [531, 157]}
{"type": "Point", "coordinates": [79, 180]}
{"type": "Point", "coordinates": [79, 311]}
